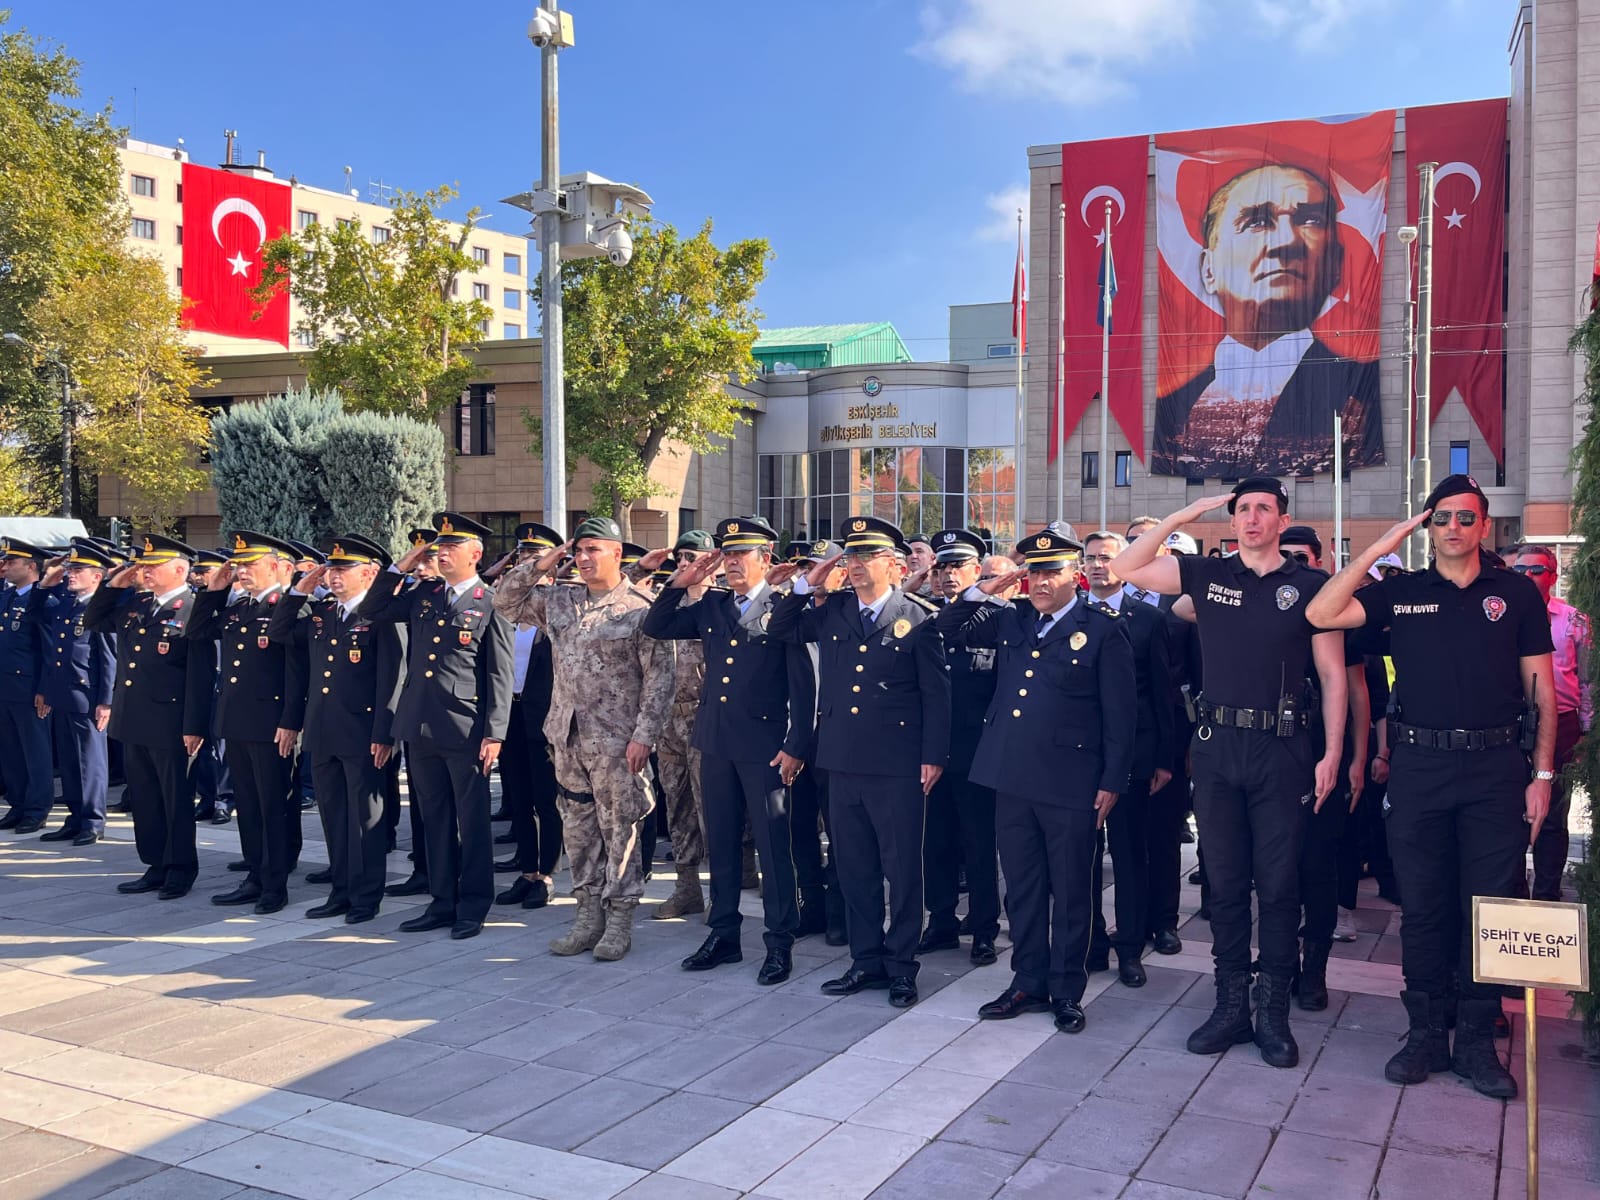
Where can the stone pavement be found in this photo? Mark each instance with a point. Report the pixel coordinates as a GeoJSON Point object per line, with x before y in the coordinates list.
{"type": "Point", "coordinates": [176, 1051]}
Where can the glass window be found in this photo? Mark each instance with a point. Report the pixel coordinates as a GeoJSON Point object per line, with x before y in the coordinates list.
{"type": "Point", "coordinates": [1091, 468]}
{"type": "Point", "coordinates": [1124, 468]}
{"type": "Point", "coordinates": [1003, 350]}
{"type": "Point", "coordinates": [305, 218]}
{"type": "Point", "coordinates": [687, 518]}
{"type": "Point", "coordinates": [512, 298]}
{"type": "Point", "coordinates": [143, 185]}
{"type": "Point", "coordinates": [483, 327]}
{"type": "Point", "coordinates": [304, 337]}
{"type": "Point", "coordinates": [513, 264]}
{"type": "Point", "coordinates": [177, 234]}
{"type": "Point", "coordinates": [480, 291]}
{"type": "Point", "coordinates": [480, 255]}
{"type": "Point", "coordinates": [177, 275]}
{"type": "Point", "coordinates": [475, 420]}
{"type": "Point", "coordinates": [380, 234]}
{"type": "Point", "coordinates": [144, 229]}
{"type": "Point", "coordinates": [511, 330]}
{"type": "Point", "coordinates": [1460, 458]}
{"type": "Point", "coordinates": [347, 222]}
{"type": "Point", "coordinates": [502, 533]}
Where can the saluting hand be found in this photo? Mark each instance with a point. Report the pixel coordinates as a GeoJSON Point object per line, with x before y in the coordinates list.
{"type": "Point", "coordinates": [1202, 506]}
{"type": "Point", "coordinates": [653, 559]}
{"type": "Point", "coordinates": [410, 559]}
{"type": "Point", "coordinates": [996, 584]}
{"type": "Point", "coordinates": [551, 559]}
{"type": "Point", "coordinates": [221, 578]}
{"type": "Point", "coordinates": [55, 574]}
{"type": "Point", "coordinates": [309, 582]}
{"type": "Point", "coordinates": [1397, 533]}
{"type": "Point", "coordinates": [819, 572]}
{"type": "Point", "coordinates": [692, 574]}
{"type": "Point", "coordinates": [781, 574]}
{"type": "Point", "coordinates": [123, 576]}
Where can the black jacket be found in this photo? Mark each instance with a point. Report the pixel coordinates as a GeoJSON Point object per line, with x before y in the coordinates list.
{"type": "Point", "coordinates": [1155, 740]}
{"type": "Point", "coordinates": [163, 692]}
{"type": "Point", "coordinates": [260, 689]}
{"type": "Point", "coordinates": [350, 670]}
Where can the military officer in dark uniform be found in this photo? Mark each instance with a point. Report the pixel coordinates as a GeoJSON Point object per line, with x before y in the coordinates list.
{"type": "Point", "coordinates": [75, 687]}
{"type": "Point", "coordinates": [1057, 748]}
{"type": "Point", "coordinates": [453, 712]}
{"type": "Point", "coordinates": [24, 734]}
{"type": "Point", "coordinates": [160, 707]}
{"type": "Point", "coordinates": [1473, 703]}
{"type": "Point", "coordinates": [883, 736]}
{"type": "Point", "coordinates": [212, 784]}
{"type": "Point", "coordinates": [260, 708]}
{"type": "Point", "coordinates": [753, 732]}
{"type": "Point", "coordinates": [961, 812]}
{"type": "Point", "coordinates": [426, 567]}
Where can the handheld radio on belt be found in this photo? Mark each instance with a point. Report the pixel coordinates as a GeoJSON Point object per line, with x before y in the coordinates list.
{"type": "Point", "coordinates": [1530, 720]}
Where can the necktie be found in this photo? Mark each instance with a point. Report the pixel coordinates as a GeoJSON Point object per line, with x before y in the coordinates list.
{"type": "Point", "coordinates": [1139, 593]}
{"type": "Point", "coordinates": [744, 604]}
{"type": "Point", "coordinates": [1045, 624]}
{"type": "Point", "coordinates": [867, 619]}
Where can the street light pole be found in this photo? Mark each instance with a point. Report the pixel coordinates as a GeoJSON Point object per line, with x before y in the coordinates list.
{"type": "Point", "coordinates": [1407, 235]}
{"type": "Point", "coordinates": [553, 367]}
{"type": "Point", "coordinates": [1424, 366]}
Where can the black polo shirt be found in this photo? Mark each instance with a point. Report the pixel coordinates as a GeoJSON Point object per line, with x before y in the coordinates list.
{"type": "Point", "coordinates": [1458, 651]}
{"type": "Point", "coordinates": [1255, 640]}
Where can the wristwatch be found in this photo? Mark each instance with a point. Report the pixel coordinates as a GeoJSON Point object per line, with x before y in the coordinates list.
{"type": "Point", "coordinates": [1545, 776]}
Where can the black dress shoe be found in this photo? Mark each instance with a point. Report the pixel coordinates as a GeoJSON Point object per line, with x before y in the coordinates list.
{"type": "Point", "coordinates": [1130, 971]}
{"type": "Point", "coordinates": [425, 922]}
{"type": "Point", "coordinates": [87, 838]}
{"type": "Point", "coordinates": [853, 981]}
{"type": "Point", "coordinates": [28, 827]}
{"type": "Point", "coordinates": [520, 889]}
{"type": "Point", "coordinates": [1009, 1004]}
{"type": "Point", "coordinates": [270, 904]}
{"type": "Point", "coordinates": [323, 876]}
{"type": "Point", "coordinates": [503, 866]}
{"type": "Point", "coordinates": [713, 952]}
{"type": "Point", "coordinates": [983, 953]}
{"type": "Point", "coordinates": [245, 893]}
{"type": "Point", "coordinates": [1194, 876]}
{"type": "Point", "coordinates": [417, 885]}
{"type": "Point", "coordinates": [221, 817]}
{"type": "Point", "coordinates": [539, 896]}
{"type": "Point", "coordinates": [932, 941]}
{"type": "Point", "coordinates": [145, 883]}
{"type": "Point", "coordinates": [776, 968]}
{"type": "Point", "coordinates": [1167, 941]}
{"type": "Point", "coordinates": [175, 889]}
{"type": "Point", "coordinates": [359, 916]}
{"type": "Point", "coordinates": [902, 991]}
{"type": "Point", "coordinates": [1069, 1016]}
{"type": "Point", "coordinates": [332, 908]}
{"type": "Point", "coordinates": [462, 930]}
{"type": "Point", "coordinates": [836, 937]}
{"type": "Point", "coordinates": [11, 820]}
{"type": "Point", "coordinates": [1099, 960]}
{"type": "Point", "coordinates": [238, 864]}
{"type": "Point", "coordinates": [65, 834]}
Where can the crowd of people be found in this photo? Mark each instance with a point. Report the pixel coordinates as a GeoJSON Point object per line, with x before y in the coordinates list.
{"type": "Point", "coordinates": [864, 729]}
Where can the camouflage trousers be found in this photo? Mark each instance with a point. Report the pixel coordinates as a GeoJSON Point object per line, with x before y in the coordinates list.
{"type": "Point", "coordinates": [601, 835]}
{"type": "Point", "coordinates": [680, 785]}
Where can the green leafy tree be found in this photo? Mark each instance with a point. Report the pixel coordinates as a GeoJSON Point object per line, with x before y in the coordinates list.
{"type": "Point", "coordinates": [382, 476]}
{"type": "Point", "coordinates": [266, 464]}
{"type": "Point", "coordinates": [650, 348]}
{"type": "Point", "coordinates": [390, 333]}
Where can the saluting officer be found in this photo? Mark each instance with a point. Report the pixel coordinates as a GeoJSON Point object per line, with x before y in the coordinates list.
{"type": "Point", "coordinates": [1256, 775]}
{"type": "Point", "coordinates": [753, 733]}
{"type": "Point", "coordinates": [24, 735]}
{"type": "Point", "coordinates": [260, 707]}
{"type": "Point", "coordinates": [211, 781]}
{"type": "Point", "coordinates": [75, 687]}
{"type": "Point", "coordinates": [1057, 748]}
{"type": "Point", "coordinates": [453, 713]}
{"type": "Point", "coordinates": [883, 736]}
{"type": "Point", "coordinates": [424, 566]}
{"type": "Point", "coordinates": [160, 707]}
{"type": "Point", "coordinates": [352, 670]}
{"type": "Point", "coordinates": [1473, 700]}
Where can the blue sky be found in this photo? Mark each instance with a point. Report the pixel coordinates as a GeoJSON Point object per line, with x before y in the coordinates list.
{"type": "Point", "coordinates": [880, 145]}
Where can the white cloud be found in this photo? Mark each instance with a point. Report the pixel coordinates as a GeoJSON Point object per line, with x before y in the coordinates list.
{"type": "Point", "coordinates": [1309, 24]}
{"type": "Point", "coordinates": [1000, 223]}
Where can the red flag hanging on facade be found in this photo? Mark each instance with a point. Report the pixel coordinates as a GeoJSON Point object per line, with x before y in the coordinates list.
{"type": "Point", "coordinates": [227, 218]}
{"type": "Point", "coordinates": [1468, 141]}
{"type": "Point", "coordinates": [1019, 300]}
{"type": "Point", "coordinates": [1118, 170]}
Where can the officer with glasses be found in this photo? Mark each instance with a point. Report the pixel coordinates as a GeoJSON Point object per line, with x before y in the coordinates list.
{"type": "Point", "coordinates": [1473, 702]}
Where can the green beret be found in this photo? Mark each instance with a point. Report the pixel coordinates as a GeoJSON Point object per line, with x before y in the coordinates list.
{"type": "Point", "coordinates": [695, 539]}
{"type": "Point", "coordinates": [603, 528]}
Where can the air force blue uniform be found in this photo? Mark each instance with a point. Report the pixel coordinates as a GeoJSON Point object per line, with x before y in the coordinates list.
{"type": "Point", "coordinates": [75, 678]}
{"type": "Point", "coordinates": [24, 736]}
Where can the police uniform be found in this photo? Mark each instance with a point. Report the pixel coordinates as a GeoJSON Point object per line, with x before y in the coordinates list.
{"type": "Point", "coordinates": [75, 680]}
{"type": "Point", "coordinates": [163, 694]}
{"type": "Point", "coordinates": [759, 699]}
{"type": "Point", "coordinates": [1457, 778]}
{"type": "Point", "coordinates": [417, 883]}
{"type": "Point", "coordinates": [351, 671]}
{"type": "Point", "coordinates": [1060, 729]}
{"type": "Point", "coordinates": [260, 690]}
{"type": "Point", "coordinates": [961, 812]}
{"type": "Point", "coordinates": [24, 736]}
{"type": "Point", "coordinates": [883, 712]}
{"type": "Point", "coordinates": [213, 786]}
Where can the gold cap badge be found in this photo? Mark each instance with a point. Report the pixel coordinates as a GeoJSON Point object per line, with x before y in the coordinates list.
{"type": "Point", "coordinates": [445, 527]}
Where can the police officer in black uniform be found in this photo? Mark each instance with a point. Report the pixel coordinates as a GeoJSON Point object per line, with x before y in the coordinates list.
{"type": "Point", "coordinates": [1057, 748]}
{"type": "Point", "coordinates": [753, 732]}
{"type": "Point", "coordinates": [883, 736]}
{"type": "Point", "coordinates": [1256, 776]}
{"type": "Point", "coordinates": [1473, 701]}
{"type": "Point", "coordinates": [212, 784]}
{"type": "Point", "coordinates": [351, 670]}
{"type": "Point", "coordinates": [961, 812]}
{"type": "Point", "coordinates": [75, 686]}
{"type": "Point", "coordinates": [24, 734]}
{"type": "Point", "coordinates": [160, 706]}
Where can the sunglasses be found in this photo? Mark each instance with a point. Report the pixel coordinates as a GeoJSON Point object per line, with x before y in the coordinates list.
{"type": "Point", "coordinates": [1465, 517]}
{"type": "Point", "coordinates": [1533, 570]}
{"type": "Point", "coordinates": [1300, 556]}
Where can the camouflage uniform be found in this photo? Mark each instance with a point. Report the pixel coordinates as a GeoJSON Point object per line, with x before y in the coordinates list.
{"type": "Point", "coordinates": [680, 761]}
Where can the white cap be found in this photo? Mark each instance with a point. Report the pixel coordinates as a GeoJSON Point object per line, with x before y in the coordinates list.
{"type": "Point", "coordinates": [1182, 543]}
{"type": "Point", "coordinates": [1388, 560]}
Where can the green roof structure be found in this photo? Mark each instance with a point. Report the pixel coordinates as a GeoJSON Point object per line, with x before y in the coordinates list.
{"type": "Point", "coordinates": [812, 347]}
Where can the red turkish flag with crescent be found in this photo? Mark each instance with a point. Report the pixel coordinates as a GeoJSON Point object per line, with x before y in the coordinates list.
{"type": "Point", "coordinates": [227, 218]}
{"type": "Point", "coordinates": [1118, 170]}
{"type": "Point", "coordinates": [1468, 141]}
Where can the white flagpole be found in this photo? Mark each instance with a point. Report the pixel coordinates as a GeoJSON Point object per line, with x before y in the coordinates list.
{"type": "Point", "coordinates": [1061, 381]}
{"type": "Point", "coordinates": [1106, 474]}
{"type": "Point", "coordinates": [1019, 424]}
{"type": "Point", "coordinates": [1338, 491]}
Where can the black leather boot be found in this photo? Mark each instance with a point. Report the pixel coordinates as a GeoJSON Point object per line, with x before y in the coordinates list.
{"type": "Point", "coordinates": [1273, 1036]}
{"type": "Point", "coordinates": [1311, 989]}
{"type": "Point", "coordinates": [1229, 1022]}
{"type": "Point", "coordinates": [1427, 1047]}
{"type": "Point", "coordinates": [1475, 1057]}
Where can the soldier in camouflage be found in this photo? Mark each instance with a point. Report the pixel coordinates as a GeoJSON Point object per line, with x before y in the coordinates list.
{"type": "Point", "coordinates": [612, 694]}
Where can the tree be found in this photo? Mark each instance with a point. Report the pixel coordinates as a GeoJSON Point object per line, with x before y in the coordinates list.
{"type": "Point", "coordinates": [382, 476]}
{"type": "Point", "coordinates": [650, 347]}
{"type": "Point", "coordinates": [267, 461]}
{"type": "Point", "coordinates": [390, 334]}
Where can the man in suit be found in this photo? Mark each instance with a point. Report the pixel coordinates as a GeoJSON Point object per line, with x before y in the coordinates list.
{"type": "Point", "coordinates": [24, 735]}
{"type": "Point", "coordinates": [260, 708]}
{"type": "Point", "coordinates": [1057, 748]}
{"type": "Point", "coordinates": [160, 707]}
{"type": "Point", "coordinates": [351, 670]}
{"type": "Point", "coordinates": [883, 736]}
{"type": "Point", "coordinates": [75, 686]}
{"type": "Point", "coordinates": [453, 713]}
{"type": "Point", "coordinates": [753, 733]}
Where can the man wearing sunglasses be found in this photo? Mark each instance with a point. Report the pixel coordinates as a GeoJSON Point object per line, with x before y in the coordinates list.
{"type": "Point", "coordinates": [1471, 647]}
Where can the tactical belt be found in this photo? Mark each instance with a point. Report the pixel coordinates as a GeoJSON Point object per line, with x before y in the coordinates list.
{"type": "Point", "coordinates": [1457, 739]}
{"type": "Point", "coordinates": [1260, 719]}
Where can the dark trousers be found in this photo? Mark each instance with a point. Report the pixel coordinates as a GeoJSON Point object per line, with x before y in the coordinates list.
{"type": "Point", "coordinates": [212, 783]}
{"type": "Point", "coordinates": [454, 795]}
{"type": "Point", "coordinates": [1047, 850]}
{"type": "Point", "coordinates": [350, 801]}
{"type": "Point", "coordinates": [391, 795]}
{"type": "Point", "coordinates": [805, 828]}
{"type": "Point", "coordinates": [25, 761]}
{"type": "Point", "coordinates": [261, 786]}
{"type": "Point", "coordinates": [1455, 831]}
{"type": "Point", "coordinates": [961, 831]}
{"type": "Point", "coordinates": [81, 751]}
{"type": "Point", "coordinates": [419, 832]}
{"type": "Point", "coordinates": [1319, 863]}
{"type": "Point", "coordinates": [1550, 851]}
{"type": "Point", "coordinates": [1163, 827]}
{"type": "Point", "coordinates": [528, 793]}
{"type": "Point", "coordinates": [162, 797]}
{"type": "Point", "coordinates": [876, 834]}
{"type": "Point", "coordinates": [1252, 794]}
{"type": "Point", "coordinates": [1127, 832]}
{"type": "Point", "coordinates": [730, 794]}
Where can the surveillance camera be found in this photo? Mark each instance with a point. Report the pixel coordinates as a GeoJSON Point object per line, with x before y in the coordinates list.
{"type": "Point", "coordinates": [1407, 234]}
{"type": "Point", "coordinates": [550, 29]}
{"type": "Point", "coordinates": [617, 242]}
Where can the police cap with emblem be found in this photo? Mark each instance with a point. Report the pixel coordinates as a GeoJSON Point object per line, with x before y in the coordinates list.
{"type": "Point", "coordinates": [749, 533]}
{"type": "Point", "coordinates": [249, 546]}
{"type": "Point", "coordinates": [352, 550]}
{"type": "Point", "coordinates": [533, 536]}
{"type": "Point", "coordinates": [306, 553]}
{"type": "Point", "coordinates": [156, 549]}
{"type": "Point", "coordinates": [421, 537]}
{"type": "Point", "coordinates": [817, 551]}
{"type": "Point", "coordinates": [1049, 551]}
{"type": "Point", "coordinates": [602, 529]}
{"type": "Point", "coordinates": [13, 548]}
{"type": "Point", "coordinates": [1455, 485]}
{"type": "Point", "coordinates": [1260, 483]}
{"type": "Point", "coordinates": [957, 545]}
{"type": "Point", "coordinates": [84, 553]}
{"type": "Point", "coordinates": [869, 535]}
{"type": "Point", "coordinates": [209, 559]}
{"type": "Point", "coordinates": [453, 529]}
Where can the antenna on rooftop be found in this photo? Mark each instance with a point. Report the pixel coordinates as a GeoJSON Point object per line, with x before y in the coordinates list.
{"type": "Point", "coordinates": [230, 134]}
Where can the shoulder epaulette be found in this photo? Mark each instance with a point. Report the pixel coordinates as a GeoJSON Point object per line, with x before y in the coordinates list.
{"type": "Point", "coordinates": [921, 601]}
{"type": "Point", "coordinates": [1105, 610]}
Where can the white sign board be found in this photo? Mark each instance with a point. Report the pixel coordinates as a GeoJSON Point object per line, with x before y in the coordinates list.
{"type": "Point", "coordinates": [1530, 943]}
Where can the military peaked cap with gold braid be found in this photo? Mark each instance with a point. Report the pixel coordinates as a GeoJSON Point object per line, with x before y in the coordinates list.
{"type": "Point", "coordinates": [744, 533]}
{"type": "Point", "coordinates": [1049, 551]}
{"type": "Point", "coordinates": [247, 546]}
{"type": "Point", "coordinates": [454, 529]}
{"type": "Point", "coordinates": [352, 550]}
{"type": "Point", "coordinates": [85, 553]}
{"type": "Point", "coordinates": [156, 549]}
{"type": "Point", "coordinates": [868, 535]}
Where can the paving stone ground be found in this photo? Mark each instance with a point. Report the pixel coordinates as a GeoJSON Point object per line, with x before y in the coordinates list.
{"type": "Point", "coordinates": [177, 1051]}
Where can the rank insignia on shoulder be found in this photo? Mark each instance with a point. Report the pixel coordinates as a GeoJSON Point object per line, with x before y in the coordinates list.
{"type": "Point", "coordinates": [273, 599]}
{"type": "Point", "coordinates": [902, 627]}
{"type": "Point", "coordinates": [1078, 640]}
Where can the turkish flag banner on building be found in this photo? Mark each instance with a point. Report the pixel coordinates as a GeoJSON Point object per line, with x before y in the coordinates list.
{"type": "Point", "coordinates": [1468, 141]}
{"type": "Point", "coordinates": [227, 218]}
{"type": "Point", "coordinates": [1271, 255]}
{"type": "Point", "coordinates": [1114, 169]}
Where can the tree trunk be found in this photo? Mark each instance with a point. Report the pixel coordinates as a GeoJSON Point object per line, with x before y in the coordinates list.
{"type": "Point", "coordinates": [622, 514]}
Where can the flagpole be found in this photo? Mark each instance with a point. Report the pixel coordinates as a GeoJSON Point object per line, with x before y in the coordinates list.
{"type": "Point", "coordinates": [1061, 380]}
{"type": "Point", "coordinates": [1018, 316]}
{"type": "Point", "coordinates": [1108, 271]}
{"type": "Point", "coordinates": [1338, 491]}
